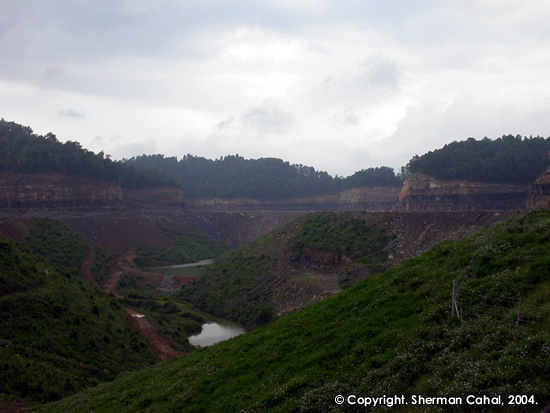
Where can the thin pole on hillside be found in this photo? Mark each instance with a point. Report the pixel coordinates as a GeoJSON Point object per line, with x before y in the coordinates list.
{"type": "Point", "coordinates": [454, 305]}
{"type": "Point", "coordinates": [519, 313]}
{"type": "Point", "coordinates": [453, 300]}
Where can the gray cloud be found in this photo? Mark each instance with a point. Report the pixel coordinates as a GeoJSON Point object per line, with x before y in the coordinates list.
{"type": "Point", "coordinates": [70, 113]}
{"type": "Point", "coordinates": [387, 79]}
{"type": "Point", "coordinates": [268, 118]}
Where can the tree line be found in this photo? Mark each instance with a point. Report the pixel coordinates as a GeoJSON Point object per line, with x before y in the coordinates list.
{"type": "Point", "coordinates": [227, 177]}
{"type": "Point", "coordinates": [508, 159]}
{"type": "Point", "coordinates": [26, 152]}
{"type": "Point", "coordinates": [266, 178]}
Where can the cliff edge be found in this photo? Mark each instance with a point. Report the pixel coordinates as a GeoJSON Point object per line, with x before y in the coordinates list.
{"type": "Point", "coordinates": [539, 193]}
{"type": "Point", "coordinates": [381, 198]}
{"type": "Point", "coordinates": [422, 193]}
{"type": "Point", "coordinates": [56, 191]}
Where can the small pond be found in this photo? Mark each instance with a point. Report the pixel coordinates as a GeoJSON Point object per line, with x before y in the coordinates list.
{"type": "Point", "coordinates": [215, 332]}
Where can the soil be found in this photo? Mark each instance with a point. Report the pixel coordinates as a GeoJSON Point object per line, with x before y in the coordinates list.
{"type": "Point", "coordinates": [86, 266]}
{"type": "Point", "coordinates": [17, 406]}
{"type": "Point", "coordinates": [159, 344]}
{"type": "Point", "coordinates": [17, 229]}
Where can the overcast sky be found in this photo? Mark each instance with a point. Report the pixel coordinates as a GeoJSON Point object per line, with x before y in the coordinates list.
{"type": "Point", "coordinates": [340, 85]}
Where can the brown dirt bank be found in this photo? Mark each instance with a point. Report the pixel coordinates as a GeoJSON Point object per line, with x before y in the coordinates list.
{"type": "Point", "coordinates": [158, 344]}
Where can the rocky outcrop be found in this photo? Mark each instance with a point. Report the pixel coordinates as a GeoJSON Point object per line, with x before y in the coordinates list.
{"type": "Point", "coordinates": [424, 193]}
{"type": "Point", "coordinates": [539, 193]}
{"type": "Point", "coordinates": [363, 198]}
{"type": "Point", "coordinates": [56, 191]}
{"type": "Point", "coordinates": [319, 259]}
{"type": "Point", "coordinates": [155, 197]}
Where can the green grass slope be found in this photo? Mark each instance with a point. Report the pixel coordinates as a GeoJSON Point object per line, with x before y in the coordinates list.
{"type": "Point", "coordinates": [58, 333]}
{"type": "Point", "coordinates": [390, 334]}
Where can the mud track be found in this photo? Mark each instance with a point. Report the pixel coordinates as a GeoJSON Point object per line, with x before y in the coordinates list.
{"type": "Point", "coordinates": [157, 343]}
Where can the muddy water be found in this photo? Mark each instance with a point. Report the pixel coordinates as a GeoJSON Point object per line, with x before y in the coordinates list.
{"type": "Point", "coordinates": [214, 332]}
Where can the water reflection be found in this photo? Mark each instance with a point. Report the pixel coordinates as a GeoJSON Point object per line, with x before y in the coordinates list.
{"type": "Point", "coordinates": [213, 333]}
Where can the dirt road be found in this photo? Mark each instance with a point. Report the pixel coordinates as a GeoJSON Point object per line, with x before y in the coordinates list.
{"type": "Point", "coordinates": [157, 343]}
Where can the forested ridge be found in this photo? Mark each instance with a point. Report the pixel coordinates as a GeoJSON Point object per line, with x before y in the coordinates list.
{"type": "Point", "coordinates": [227, 177]}
{"type": "Point", "coordinates": [509, 159]}
{"type": "Point", "coordinates": [26, 152]}
{"type": "Point", "coordinates": [266, 178]}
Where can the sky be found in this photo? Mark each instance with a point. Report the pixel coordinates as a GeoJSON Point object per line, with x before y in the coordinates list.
{"type": "Point", "coordinates": [340, 85]}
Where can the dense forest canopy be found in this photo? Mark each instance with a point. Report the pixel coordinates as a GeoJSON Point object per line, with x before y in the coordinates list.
{"type": "Point", "coordinates": [25, 152]}
{"type": "Point", "coordinates": [265, 178]}
{"type": "Point", "coordinates": [509, 159]}
{"type": "Point", "coordinates": [227, 177]}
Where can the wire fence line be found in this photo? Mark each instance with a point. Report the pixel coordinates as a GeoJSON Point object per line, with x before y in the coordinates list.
{"type": "Point", "coordinates": [516, 310]}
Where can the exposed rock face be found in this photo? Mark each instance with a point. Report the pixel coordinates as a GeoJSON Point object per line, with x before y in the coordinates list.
{"type": "Point", "coordinates": [148, 198]}
{"type": "Point", "coordinates": [312, 258]}
{"type": "Point", "coordinates": [424, 193]}
{"type": "Point", "coordinates": [539, 193]}
{"type": "Point", "coordinates": [55, 191]}
{"type": "Point", "coordinates": [363, 198]}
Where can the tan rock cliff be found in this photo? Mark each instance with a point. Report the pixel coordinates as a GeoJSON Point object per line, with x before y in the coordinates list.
{"type": "Point", "coordinates": [539, 193]}
{"type": "Point", "coordinates": [56, 191]}
{"type": "Point", "coordinates": [424, 193]}
{"type": "Point", "coordinates": [363, 198]}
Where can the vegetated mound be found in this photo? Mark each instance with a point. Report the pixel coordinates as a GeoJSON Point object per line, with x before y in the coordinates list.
{"type": "Point", "coordinates": [509, 159]}
{"type": "Point", "coordinates": [392, 334]}
{"type": "Point", "coordinates": [301, 262]}
{"type": "Point", "coordinates": [58, 333]}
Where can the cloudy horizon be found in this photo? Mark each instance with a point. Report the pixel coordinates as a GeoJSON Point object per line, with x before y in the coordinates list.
{"type": "Point", "coordinates": [340, 86]}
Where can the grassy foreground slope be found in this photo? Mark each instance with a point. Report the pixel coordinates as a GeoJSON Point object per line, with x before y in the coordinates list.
{"type": "Point", "coordinates": [390, 334]}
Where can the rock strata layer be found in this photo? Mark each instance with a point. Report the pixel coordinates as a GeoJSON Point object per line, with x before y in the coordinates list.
{"type": "Point", "coordinates": [362, 198]}
{"type": "Point", "coordinates": [422, 193]}
{"type": "Point", "coordinates": [56, 191]}
{"type": "Point", "coordinates": [539, 193]}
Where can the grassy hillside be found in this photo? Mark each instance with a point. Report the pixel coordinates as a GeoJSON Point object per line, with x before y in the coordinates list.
{"type": "Point", "coordinates": [390, 334]}
{"type": "Point", "coordinates": [58, 334]}
{"type": "Point", "coordinates": [250, 283]}
{"type": "Point", "coordinates": [177, 319]}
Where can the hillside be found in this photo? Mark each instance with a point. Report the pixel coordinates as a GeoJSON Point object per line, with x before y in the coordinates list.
{"type": "Point", "coordinates": [315, 256]}
{"type": "Point", "coordinates": [391, 334]}
{"type": "Point", "coordinates": [58, 333]}
{"type": "Point", "coordinates": [307, 259]}
{"type": "Point", "coordinates": [233, 177]}
{"type": "Point", "coordinates": [24, 152]}
{"type": "Point", "coordinates": [506, 160]}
